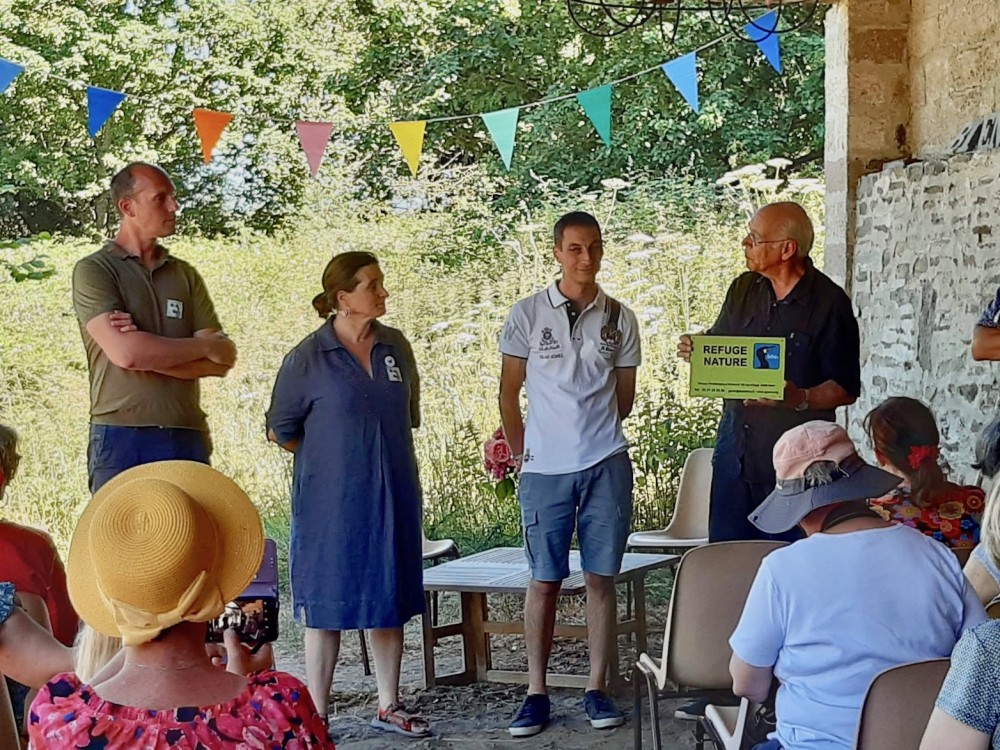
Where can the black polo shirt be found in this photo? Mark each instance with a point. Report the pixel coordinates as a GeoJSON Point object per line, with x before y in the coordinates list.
{"type": "Point", "coordinates": [817, 321]}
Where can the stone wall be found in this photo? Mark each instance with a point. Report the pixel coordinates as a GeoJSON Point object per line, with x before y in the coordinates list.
{"type": "Point", "coordinates": [926, 263]}
{"type": "Point", "coordinates": [954, 56]}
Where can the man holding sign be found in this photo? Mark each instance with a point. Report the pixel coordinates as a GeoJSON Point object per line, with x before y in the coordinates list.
{"type": "Point", "coordinates": [781, 306]}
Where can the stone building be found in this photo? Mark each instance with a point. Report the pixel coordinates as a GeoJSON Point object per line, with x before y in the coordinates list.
{"type": "Point", "coordinates": [913, 218]}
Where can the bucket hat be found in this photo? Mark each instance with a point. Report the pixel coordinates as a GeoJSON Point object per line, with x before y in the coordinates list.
{"type": "Point", "coordinates": [160, 544]}
{"type": "Point", "coordinates": [816, 464]}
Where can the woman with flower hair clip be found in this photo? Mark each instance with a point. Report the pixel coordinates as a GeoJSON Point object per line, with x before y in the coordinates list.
{"type": "Point", "coordinates": [906, 440]}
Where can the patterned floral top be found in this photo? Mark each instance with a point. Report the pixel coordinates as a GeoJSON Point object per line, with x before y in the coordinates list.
{"type": "Point", "coordinates": [274, 713]}
{"type": "Point", "coordinates": [953, 519]}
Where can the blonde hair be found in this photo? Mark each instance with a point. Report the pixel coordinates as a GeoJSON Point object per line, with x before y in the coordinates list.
{"type": "Point", "coordinates": [92, 651]}
{"type": "Point", "coordinates": [989, 532]}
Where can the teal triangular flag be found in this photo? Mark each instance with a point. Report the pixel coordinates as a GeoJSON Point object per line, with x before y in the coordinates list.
{"type": "Point", "coordinates": [683, 73]}
{"type": "Point", "coordinates": [101, 104]}
{"type": "Point", "coordinates": [596, 104]}
{"type": "Point", "coordinates": [763, 31]}
{"type": "Point", "coordinates": [503, 128]}
{"type": "Point", "coordinates": [8, 72]}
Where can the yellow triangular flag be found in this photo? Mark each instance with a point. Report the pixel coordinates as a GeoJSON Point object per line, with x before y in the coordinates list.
{"type": "Point", "coordinates": [410, 137]}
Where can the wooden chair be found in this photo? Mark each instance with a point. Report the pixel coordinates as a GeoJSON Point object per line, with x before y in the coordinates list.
{"type": "Point", "coordinates": [710, 589]}
{"type": "Point", "coordinates": [688, 526]}
{"type": "Point", "coordinates": [898, 705]}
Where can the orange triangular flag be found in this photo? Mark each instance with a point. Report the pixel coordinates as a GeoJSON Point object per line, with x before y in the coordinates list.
{"type": "Point", "coordinates": [210, 125]}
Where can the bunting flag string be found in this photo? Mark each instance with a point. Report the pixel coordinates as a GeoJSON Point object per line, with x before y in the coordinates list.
{"type": "Point", "coordinates": [596, 104]}
{"type": "Point", "coordinates": [101, 104]}
{"type": "Point", "coordinates": [683, 73]}
{"type": "Point", "coordinates": [761, 31]}
{"type": "Point", "coordinates": [410, 137]}
{"type": "Point", "coordinates": [210, 125]}
{"type": "Point", "coordinates": [409, 134]}
{"type": "Point", "coordinates": [313, 137]}
{"type": "Point", "coordinates": [503, 128]}
{"type": "Point", "coordinates": [8, 72]}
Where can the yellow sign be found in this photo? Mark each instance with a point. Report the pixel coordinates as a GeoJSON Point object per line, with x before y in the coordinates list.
{"type": "Point", "coordinates": [738, 367]}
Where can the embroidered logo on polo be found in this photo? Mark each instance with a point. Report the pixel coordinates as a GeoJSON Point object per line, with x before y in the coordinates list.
{"type": "Point", "coordinates": [611, 334]}
{"type": "Point", "coordinates": [549, 346]}
{"type": "Point", "coordinates": [175, 308]}
{"type": "Point", "coordinates": [392, 371]}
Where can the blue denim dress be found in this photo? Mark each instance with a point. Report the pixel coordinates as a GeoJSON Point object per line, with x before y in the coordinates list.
{"type": "Point", "coordinates": [356, 550]}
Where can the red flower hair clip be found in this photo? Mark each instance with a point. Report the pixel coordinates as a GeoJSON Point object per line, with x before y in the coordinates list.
{"type": "Point", "coordinates": [921, 454]}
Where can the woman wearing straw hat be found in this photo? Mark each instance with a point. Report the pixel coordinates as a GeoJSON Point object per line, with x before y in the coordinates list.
{"type": "Point", "coordinates": [157, 554]}
{"type": "Point", "coordinates": [345, 403]}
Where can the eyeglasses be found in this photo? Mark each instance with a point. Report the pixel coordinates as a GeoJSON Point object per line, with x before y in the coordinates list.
{"type": "Point", "coordinates": [755, 241]}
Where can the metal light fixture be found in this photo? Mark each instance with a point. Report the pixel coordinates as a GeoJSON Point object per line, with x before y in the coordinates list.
{"type": "Point", "coordinates": [608, 18]}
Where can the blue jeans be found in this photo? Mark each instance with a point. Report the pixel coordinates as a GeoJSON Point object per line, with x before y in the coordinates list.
{"type": "Point", "coordinates": [114, 449]}
{"type": "Point", "coordinates": [733, 499]}
{"type": "Point", "coordinates": [769, 745]}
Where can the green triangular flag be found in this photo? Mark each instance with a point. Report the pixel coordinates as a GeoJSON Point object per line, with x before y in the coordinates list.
{"type": "Point", "coordinates": [503, 127]}
{"type": "Point", "coordinates": [596, 104]}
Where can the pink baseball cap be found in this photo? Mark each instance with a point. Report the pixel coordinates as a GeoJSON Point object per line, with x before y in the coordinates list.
{"type": "Point", "coordinates": [816, 464]}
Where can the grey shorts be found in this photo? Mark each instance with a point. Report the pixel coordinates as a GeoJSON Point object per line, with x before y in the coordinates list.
{"type": "Point", "coordinates": [595, 502]}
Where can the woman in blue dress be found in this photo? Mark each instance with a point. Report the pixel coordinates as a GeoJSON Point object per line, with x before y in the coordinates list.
{"type": "Point", "coordinates": [345, 402]}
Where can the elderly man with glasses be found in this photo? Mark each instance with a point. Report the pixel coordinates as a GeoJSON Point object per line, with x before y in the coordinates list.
{"type": "Point", "coordinates": [781, 295]}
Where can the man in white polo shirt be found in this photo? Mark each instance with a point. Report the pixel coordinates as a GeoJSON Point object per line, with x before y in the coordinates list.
{"type": "Point", "coordinates": [575, 350]}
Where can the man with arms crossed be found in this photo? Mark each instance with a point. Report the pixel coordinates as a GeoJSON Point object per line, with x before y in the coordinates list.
{"type": "Point", "coordinates": [575, 350]}
{"type": "Point", "coordinates": [150, 332]}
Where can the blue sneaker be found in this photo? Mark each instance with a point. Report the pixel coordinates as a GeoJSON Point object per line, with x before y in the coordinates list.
{"type": "Point", "coordinates": [531, 717]}
{"type": "Point", "coordinates": [602, 710]}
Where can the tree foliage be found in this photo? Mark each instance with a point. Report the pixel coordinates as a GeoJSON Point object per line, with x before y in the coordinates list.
{"type": "Point", "coordinates": [428, 58]}
{"type": "Point", "coordinates": [362, 64]}
{"type": "Point", "coordinates": [268, 63]}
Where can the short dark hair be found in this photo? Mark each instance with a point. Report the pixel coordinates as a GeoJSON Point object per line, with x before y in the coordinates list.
{"type": "Point", "coordinates": [123, 183]}
{"type": "Point", "coordinates": [573, 219]}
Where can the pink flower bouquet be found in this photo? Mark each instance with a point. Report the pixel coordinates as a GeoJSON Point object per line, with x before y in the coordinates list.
{"type": "Point", "coordinates": [500, 465]}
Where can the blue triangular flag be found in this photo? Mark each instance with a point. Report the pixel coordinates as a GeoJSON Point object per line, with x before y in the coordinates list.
{"type": "Point", "coordinates": [683, 73]}
{"type": "Point", "coordinates": [8, 72]}
{"type": "Point", "coordinates": [503, 127]}
{"type": "Point", "coordinates": [596, 104]}
{"type": "Point", "coordinates": [101, 104]}
{"type": "Point", "coordinates": [763, 31]}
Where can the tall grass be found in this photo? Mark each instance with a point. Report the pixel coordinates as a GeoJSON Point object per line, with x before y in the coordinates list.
{"type": "Point", "coordinates": [452, 276]}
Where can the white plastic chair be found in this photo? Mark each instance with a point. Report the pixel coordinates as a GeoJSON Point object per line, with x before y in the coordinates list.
{"type": "Point", "coordinates": [727, 724]}
{"type": "Point", "coordinates": [436, 549]}
{"type": "Point", "coordinates": [688, 526]}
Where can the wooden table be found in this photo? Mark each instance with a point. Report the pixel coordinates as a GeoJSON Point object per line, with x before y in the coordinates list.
{"type": "Point", "coordinates": [504, 570]}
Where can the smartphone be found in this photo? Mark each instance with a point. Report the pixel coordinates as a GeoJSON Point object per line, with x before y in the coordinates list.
{"type": "Point", "coordinates": [254, 613]}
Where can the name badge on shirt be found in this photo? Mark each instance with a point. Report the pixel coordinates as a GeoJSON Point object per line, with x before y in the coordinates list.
{"type": "Point", "coordinates": [175, 308]}
{"type": "Point", "coordinates": [391, 371]}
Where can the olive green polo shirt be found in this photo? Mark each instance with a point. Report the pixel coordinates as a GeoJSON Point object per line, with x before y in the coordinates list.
{"type": "Point", "coordinates": [170, 300]}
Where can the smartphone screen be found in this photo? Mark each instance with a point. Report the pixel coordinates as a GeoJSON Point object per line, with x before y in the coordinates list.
{"type": "Point", "coordinates": [255, 619]}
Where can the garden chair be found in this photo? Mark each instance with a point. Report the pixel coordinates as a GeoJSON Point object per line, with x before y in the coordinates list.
{"type": "Point", "coordinates": [688, 526]}
{"type": "Point", "coordinates": [726, 724]}
{"type": "Point", "coordinates": [710, 589]}
{"type": "Point", "coordinates": [437, 550]}
{"type": "Point", "coordinates": [898, 706]}
{"type": "Point", "coordinates": [434, 550]}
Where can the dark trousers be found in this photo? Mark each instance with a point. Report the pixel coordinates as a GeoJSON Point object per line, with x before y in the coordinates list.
{"type": "Point", "coordinates": [733, 499]}
{"type": "Point", "coordinates": [114, 449]}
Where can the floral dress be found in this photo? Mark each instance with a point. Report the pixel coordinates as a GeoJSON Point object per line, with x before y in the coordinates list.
{"type": "Point", "coordinates": [275, 712]}
{"type": "Point", "coordinates": [952, 518]}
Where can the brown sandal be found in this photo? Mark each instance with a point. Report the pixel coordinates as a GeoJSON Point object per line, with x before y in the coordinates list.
{"type": "Point", "coordinates": [397, 719]}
